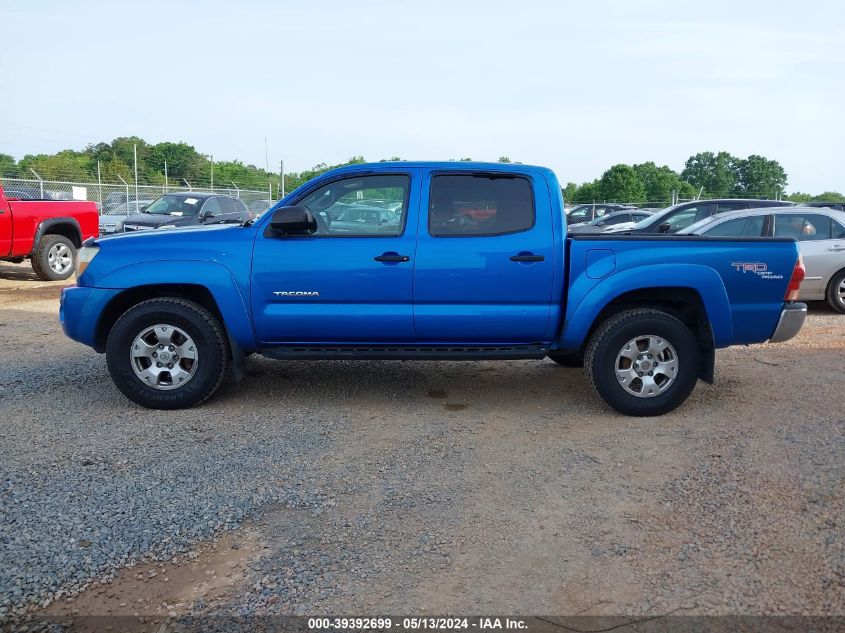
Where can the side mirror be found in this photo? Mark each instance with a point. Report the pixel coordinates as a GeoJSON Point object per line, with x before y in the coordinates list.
{"type": "Point", "coordinates": [664, 228]}
{"type": "Point", "coordinates": [293, 221]}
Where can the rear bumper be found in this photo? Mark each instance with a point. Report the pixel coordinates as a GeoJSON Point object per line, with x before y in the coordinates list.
{"type": "Point", "coordinates": [790, 323]}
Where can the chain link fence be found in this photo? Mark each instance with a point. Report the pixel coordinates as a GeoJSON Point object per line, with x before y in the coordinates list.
{"type": "Point", "coordinates": [107, 196]}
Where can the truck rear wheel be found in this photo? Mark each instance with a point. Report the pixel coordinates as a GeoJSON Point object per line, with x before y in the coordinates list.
{"type": "Point", "coordinates": [643, 362]}
{"type": "Point", "coordinates": [53, 259]}
{"type": "Point", "coordinates": [167, 353]}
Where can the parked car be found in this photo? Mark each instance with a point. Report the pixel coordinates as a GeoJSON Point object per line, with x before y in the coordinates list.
{"type": "Point", "coordinates": [23, 192]}
{"type": "Point", "coordinates": [610, 219]}
{"type": "Point", "coordinates": [838, 206]}
{"type": "Point", "coordinates": [645, 315]}
{"type": "Point", "coordinates": [673, 219]}
{"type": "Point", "coordinates": [116, 198]}
{"type": "Point", "coordinates": [112, 222]}
{"type": "Point", "coordinates": [176, 210]}
{"type": "Point", "coordinates": [586, 212]}
{"type": "Point", "coordinates": [821, 240]}
{"type": "Point", "coordinates": [351, 220]}
{"type": "Point", "coordinates": [47, 232]}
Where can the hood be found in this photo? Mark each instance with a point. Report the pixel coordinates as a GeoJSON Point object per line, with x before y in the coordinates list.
{"type": "Point", "coordinates": [149, 220]}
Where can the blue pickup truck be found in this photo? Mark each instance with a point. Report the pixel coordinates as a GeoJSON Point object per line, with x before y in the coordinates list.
{"type": "Point", "coordinates": [427, 261]}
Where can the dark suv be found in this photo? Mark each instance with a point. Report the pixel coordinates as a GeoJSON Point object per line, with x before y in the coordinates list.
{"type": "Point", "coordinates": [188, 209]}
{"type": "Point", "coordinates": [680, 216]}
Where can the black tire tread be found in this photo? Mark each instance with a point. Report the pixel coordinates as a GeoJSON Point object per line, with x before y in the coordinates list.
{"type": "Point", "coordinates": [832, 289]}
{"type": "Point", "coordinates": [210, 320]}
{"type": "Point", "coordinates": [612, 323]}
{"type": "Point", "coordinates": [39, 257]}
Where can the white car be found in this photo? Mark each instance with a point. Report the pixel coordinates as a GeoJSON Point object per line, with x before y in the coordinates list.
{"type": "Point", "coordinates": [112, 222]}
{"type": "Point", "coordinates": [821, 241]}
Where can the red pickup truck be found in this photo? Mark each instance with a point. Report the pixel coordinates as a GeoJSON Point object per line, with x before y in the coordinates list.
{"type": "Point", "coordinates": [49, 232]}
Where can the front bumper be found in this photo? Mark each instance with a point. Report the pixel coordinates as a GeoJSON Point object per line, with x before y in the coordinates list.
{"type": "Point", "coordinates": [80, 309]}
{"type": "Point", "coordinates": [790, 323]}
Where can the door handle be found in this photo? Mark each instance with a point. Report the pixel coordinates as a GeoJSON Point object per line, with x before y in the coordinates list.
{"type": "Point", "coordinates": [392, 258]}
{"type": "Point", "coordinates": [528, 257]}
{"type": "Point", "coordinates": [837, 249]}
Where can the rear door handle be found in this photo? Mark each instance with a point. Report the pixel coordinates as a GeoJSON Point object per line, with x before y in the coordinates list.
{"type": "Point", "coordinates": [527, 257]}
{"type": "Point", "coordinates": [392, 258]}
{"type": "Point", "coordinates": [837, 249]}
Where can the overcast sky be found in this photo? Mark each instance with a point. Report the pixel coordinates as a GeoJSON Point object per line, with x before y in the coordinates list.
{"type": "Point", "coordinates": [576, 86]}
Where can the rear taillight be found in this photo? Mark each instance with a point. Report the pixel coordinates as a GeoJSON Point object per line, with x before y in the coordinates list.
{"type": "Point", "coordinates": [798, 273]}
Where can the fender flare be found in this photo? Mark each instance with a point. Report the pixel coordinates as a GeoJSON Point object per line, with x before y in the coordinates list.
{"type": "Point", "coordinates": [702, 279]}
{"type": "Point", "coordinates": [212, 276]}
{"type": "Point", "coordinates": [51, 222]}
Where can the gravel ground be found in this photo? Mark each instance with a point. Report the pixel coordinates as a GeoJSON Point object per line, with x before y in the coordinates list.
{"type": "Point", "coordinates": [396, 487]}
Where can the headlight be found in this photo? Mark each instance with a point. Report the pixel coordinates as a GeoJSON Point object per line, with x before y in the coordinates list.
{"type": "Point", "coordinates": [84, 257]}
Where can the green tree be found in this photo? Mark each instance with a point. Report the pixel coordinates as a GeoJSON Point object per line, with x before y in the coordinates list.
{"type": "Point", "coordinates": [715, 173]}
{"type": "Point", "coordinates": [64, 165]}
{"type": "Point", "coordinates": [621, 183]}
{"type": "Point", "coordinates": [183, 161]}
{"type": "Point", "coordinates": [504, 159]}
{"type": "Point", "coordinates": [829, 196]}
{"type": "Point", "coordinates": [759, 176]}
{"type": "Point", "coordinates": [587, 192]}
{"type": "Point", "coordinates": [8, 165]}
{"type": "Point", "coordinates": [660, 182]}
{"type": "Point", "coordinates": [569, 192]}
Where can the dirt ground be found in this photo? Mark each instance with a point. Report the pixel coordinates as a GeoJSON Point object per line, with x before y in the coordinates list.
{"type": "Point", "coordinates": [487, 487]}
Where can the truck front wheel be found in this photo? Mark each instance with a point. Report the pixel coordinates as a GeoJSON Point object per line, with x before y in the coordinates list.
{"type": "Point", "coordinates": [642, 362]}
{"type": "Point", "coordinates": [53, 258]}
{"type": "Point", "coordinates": [167, 353]}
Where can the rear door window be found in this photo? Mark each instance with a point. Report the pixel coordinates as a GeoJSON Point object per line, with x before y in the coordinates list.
{"type": "Point", "coordinates": [479, 205]}
{"type": "Point", "coordinates": [804, 227]}
{"type": "Point", "coordinates": [740, 227]}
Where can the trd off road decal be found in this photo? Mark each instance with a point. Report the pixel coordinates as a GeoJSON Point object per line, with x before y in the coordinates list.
{"type": "Point", "coordinates": [761, 269]}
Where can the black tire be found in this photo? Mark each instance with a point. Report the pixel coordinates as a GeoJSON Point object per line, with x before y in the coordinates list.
{"type": "Point", "coordinates": [567, 360]}
{"type": "Point", "coordinates": [198, 323]}
{"type": "Point", "coordinates": [607, 343]}
{"type": "Point", "coordinates": [834, 292]}
{"type": "Point", "coordinates": [41, 258]}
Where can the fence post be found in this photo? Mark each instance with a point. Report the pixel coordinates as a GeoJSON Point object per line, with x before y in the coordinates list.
{"type": "Point", "coordinates": [281, 179]}
{"type": "Point", "coordinates": [99, 186]}
{"type": "Point", "coordinates": [127, 191]}
{"type": "Point", "coordinates": [40, 181]}
{"type": "Point", "coordinates": [237, 191]}
{"type": "Point", "coordinates": [165, 176]}
{"type": "Point", "coordinates": [135, 155]}
{"type": "Point", "coordinates": [190, 188]}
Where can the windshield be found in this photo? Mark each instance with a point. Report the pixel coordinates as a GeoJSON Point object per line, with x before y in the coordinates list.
{"type": "Point", "coordinates": [175, 205]}
{"type": "Point", "coordinates": [655, 217]}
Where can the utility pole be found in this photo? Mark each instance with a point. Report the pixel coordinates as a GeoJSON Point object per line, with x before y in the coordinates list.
{"type": "Point", "coordinates": [135, 155]}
